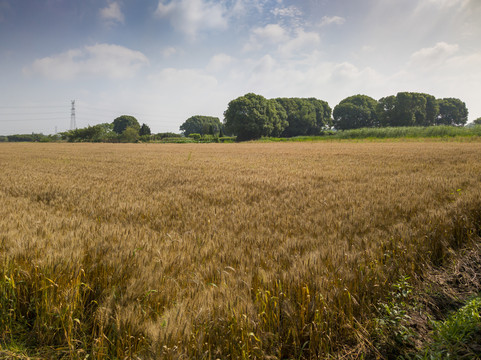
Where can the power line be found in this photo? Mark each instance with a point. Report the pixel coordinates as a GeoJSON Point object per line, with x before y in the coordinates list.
{"type": "Point", "coordinates": [32, 107]}
{"type": "Point", "coordinates": [32, 113]}
{"type": "Point", "coordinates": [35, 119]}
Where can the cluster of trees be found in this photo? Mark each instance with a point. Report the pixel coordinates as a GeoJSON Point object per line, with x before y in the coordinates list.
{"type": "Point", "coordinates": [125, 128]}
{"type": "Point", "coordinates": [202, 125]}
{"type": "Point", "coordinates": [253, 116]}
{"type": "Point", "coordinates": [403, 109]}
{"type": "Point", "coordinates": [33, 137]}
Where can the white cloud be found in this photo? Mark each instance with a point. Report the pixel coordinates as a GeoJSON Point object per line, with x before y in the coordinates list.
{"type": "Point", "coordinates": [112, 14]}
{"type": "Point", "coordinates": [447, 3]}
{"type": "Point", "coordinates": [169, 51]}
{"type": "Point", "coordinates": [270, 34]}
{"type": "Point", "coordinates": [329, 20]}
{"type": "Point", "coordinates": [242, 7]}
{"type": "Point", "coordinates": [433, 55]}
{"type": "Point", "coordinates": [182, 93]}
{"type": "Point", "coordinates": [192, 16]}
{"type": "Point", "coordinates": [287, 45]}
{"type": "Point", "coordinates": [219, 62]}
{"type": "Point", "coordinates": [290, 11]}
{"type": "Point", "coordinates": [186, 80]}
{"type": "Point", "coordinates": [100, 60]}
{"type": "Point", "coordinates": [302, 43]}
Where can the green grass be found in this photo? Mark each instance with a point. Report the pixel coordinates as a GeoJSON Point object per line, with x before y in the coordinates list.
{"type": "Point", "coordinates": [412, 132]}
{"type": "Point", "coordinates": [409, 132]}
{"type": "Point", "coordinates": [457, 337]}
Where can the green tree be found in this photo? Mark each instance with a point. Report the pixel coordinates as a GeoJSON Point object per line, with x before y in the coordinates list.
{"type": "Point", "coordinates": [144, 130]}
{"type": "Point", "coordinates": [301, 117]}
{"type": "Point", "coordinates": [386, 110]}
{"type": "Point", "coordinates": [129, 135]}
{"type": "Point", "coordinates": [477, 121]}
{"type": "Point", "coordinates": [200, 124]}
{"type": "Point", "coordinates": [452, 111]}
{"type": "Point", "coordinates": [323, 114]}
{"type": "Point", "coordinates": [354, 112]}
{"type": "Point", "coordinates": [123, 122]}
{"type": "Point", "coordinates": [252, 116]}
{"type": "Point", "coordinates": [96, 133]}
{"type": "Point", "coordinates": [408, 109]}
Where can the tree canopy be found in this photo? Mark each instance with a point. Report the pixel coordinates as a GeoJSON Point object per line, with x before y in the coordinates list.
{"type": "Point", "coordinates": [123, 122]}
{"type": "Point", "coordinates": [354, 112]}
{"type": "Point", "coordinates": [252, 116]}
{"type": "Point", "coordinates": [408, 109]}
{"type": "Point", "coordinates": [452, 112]}
{"type": "Point", "coordinates": [144, 130]}
{"type": "Point", "coordinates": [96, 133]}
{"type": "Point", "coordinates": [305, 116]}
{"type": "Point", "coordinates": [202, 125]}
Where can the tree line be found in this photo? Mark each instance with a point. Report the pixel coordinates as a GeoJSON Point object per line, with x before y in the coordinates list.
{"type": "Point", "coordinates": [124, 128]}
{"type": "Point", "coordinates": [253, 116]}
{"type": "Point", "coordinates": [403, 109]}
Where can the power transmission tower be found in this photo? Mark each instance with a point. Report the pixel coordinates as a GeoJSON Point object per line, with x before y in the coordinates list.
{"type": "Point", "coordinates": [73, 123]}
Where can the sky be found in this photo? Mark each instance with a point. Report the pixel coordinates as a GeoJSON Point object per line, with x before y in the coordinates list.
{"type": "Point", "coordinates": [164, 61]}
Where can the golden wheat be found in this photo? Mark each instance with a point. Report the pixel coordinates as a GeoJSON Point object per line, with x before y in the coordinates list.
{"type": "Point", "coordinates": [221, 250]}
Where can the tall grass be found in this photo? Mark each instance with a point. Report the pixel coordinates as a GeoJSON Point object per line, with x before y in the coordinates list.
{"type": "Point", "coordinates": [409, 132]}
{"type": "Point", "coordinates": [221, 251]}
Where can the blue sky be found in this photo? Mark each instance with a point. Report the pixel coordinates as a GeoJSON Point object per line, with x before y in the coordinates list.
{"type": "Point", "coordinates": [163, 61]}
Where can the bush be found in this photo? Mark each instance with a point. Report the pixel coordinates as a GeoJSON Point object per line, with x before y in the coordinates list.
{"type": "Point", "coordinates": [227, 139]}
{"type": "Point", "coordinates": [195, 136]}
{"type": "Point", "coordinates": [161, 136]}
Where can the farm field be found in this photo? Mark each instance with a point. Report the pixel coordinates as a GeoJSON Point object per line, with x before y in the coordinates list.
{"type": "Point", "coordinates": [254, 250]}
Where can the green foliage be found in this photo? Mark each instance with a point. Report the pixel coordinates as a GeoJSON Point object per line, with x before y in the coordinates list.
{"type": "Point", "coordinates": [301, 117]}
{"type": "Point", "coordinates": [408, 109]}
{"type": "Point", "coordinates": [30, 138]}
{"type": "Point", "coordinates": [392, 332]}
{"type": "Point", "coordinates": [145, 138]}
{"type": "Point", "coordinates": [202, 125]}
{"type": "Point", "coordinates": [252, 116]}
{"type": "Point", "coordinates": [305, 116]}
{"type": "Point", "coordinates": [123, 122]}
{"type": "Point", "coordinates": [354, 112]}
{"type": "Point", "coordinates": [477, 121]}
{"type": "Point", "coordinates": [97, 133]}
{"type": "Point", "coordinates": [195, 136]}
{"type": "Point", "coordinates": [407, 132]}
{"type": "Point", "coordinates": [323, 114]}
{"type": "Point", "coordinates": [3, 139]}
{"type": "Point", "coordinates": [129, 135]}
{"type": "Point", "coordinates": [458, 336]}
{"type": "Point", "coordinates": [452, 112]}
{"type": "Point", "coordinates": [165, 135]}
{"type": "Point", "coordinates": [227, 139]}
{"type": "Point", "coordinates": [144, 130]}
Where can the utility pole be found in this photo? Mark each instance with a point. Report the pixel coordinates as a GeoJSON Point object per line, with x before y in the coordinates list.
{"type": "Point", "coordinates": [73, 123]}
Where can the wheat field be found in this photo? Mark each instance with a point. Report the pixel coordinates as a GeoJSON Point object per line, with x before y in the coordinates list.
{"type": "Point", "coordinates": [229, 251]}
